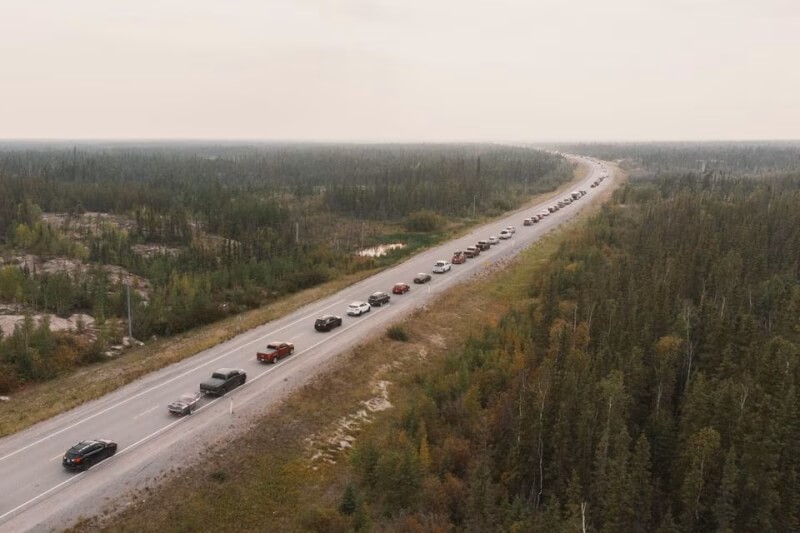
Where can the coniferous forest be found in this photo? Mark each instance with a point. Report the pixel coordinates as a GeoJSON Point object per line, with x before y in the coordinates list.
{"type": "Point", "coordinates": [203, 231]}
{"type": "Point", "coordinates": [651, 384]}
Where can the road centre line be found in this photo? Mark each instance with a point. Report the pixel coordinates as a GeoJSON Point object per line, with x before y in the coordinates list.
{"type": "Point", "coordinates": [145, 412]}
{"type": "Point", "coordinates": [109, 408]}
{"type": "Point", "coordinates": [327, 337]}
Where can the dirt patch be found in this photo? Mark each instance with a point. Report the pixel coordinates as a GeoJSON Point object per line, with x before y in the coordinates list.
{"type": "Point", "coordinates": [75, 268]}
{"type": "Point", "coordinates": [90, 223]}
{"type": "Point", "coordinates": [77, 322]}
{"type": "Point", "coordinates": [328, 445]}
{"type": "Point", "coordinates": [154, 250]}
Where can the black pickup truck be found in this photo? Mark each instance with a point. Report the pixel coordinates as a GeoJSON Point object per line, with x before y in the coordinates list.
{"type": "Point", "coordinates": [223, 381]}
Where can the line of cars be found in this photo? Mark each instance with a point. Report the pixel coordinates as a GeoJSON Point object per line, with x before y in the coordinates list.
{"type": "Point", "coordinates": [358, 308]}
{"type": "Point", "coordinates": [87, 453]}
{"type": "Point", "coordinates": [470, 252]}
{"type": "Point", "coordinates": [574, 196]}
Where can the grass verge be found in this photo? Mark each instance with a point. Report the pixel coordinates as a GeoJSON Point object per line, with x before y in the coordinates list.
{"type": "Point", "coordinates": [297, 486]}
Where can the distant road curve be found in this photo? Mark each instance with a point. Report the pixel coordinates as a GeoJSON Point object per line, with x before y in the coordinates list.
{"type": "Point", "coordinates": [37, 494]}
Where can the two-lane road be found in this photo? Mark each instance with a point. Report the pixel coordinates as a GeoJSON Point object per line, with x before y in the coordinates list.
{"type": "Point", "coordinates": [37, 493]}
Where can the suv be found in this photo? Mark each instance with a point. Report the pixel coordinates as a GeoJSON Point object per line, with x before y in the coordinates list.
{"type": "Point", "coordinates": [327, 322]}
{"type": "Point", "coordinates": [358, 308]}
{"type": "Point", "coordinates": [493, 239]}
{"type": "Point", "coordinates": [505, 234]}
{"type": "Point", "coordinates": [87, 453]}
{"type": "Point", "coordinates": [377, 299]}
{"type": "Point", "coordinates": [484, 245]}
{"type": "Point", "coordinates": [458, 258]}
{"type": "Point", "coordinates": [440, 267]}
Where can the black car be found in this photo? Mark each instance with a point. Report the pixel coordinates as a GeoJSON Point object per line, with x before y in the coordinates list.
{"type": "Point", "coordinates": [422, 277]}
{"type": "Point", "coordinates": [327, 322]}
{"type": "Point", "coordinates": [377, 299]}
{"type": "Point", "coordinates": [88, 453]}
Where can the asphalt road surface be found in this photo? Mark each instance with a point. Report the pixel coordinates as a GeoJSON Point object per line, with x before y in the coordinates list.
{"type": "Point", "coordinates": [36, 493]}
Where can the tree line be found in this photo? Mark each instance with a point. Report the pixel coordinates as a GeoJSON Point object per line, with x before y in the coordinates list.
{"type": "Point", "coordinates": [652, 384]}
{"type": "Point", "coordinates": [239, 225]}
{"type": "Point", "coordinates": [742, 158]}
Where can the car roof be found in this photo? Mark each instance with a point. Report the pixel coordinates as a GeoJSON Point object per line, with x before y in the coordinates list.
{"type": "Point", "coordinates": [84, 444]}
{"type": "Point", "coordinates": [422, 274]}
{"type": "Point", "coordinates": [224, 370]}
{"type": "Point", "coordinates": [325, 317]}
{"type": "Point", "coordinates": [399, 283]}
{"type": "Point", "coordinates": [356, 304]}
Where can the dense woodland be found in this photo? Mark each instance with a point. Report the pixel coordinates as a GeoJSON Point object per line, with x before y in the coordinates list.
{"type": "Point", "coordinates": [750, 158]}
{"type": "Point", "coordinates": [239, 225]}
{"type": "Point", "coordinates": [653, 384]}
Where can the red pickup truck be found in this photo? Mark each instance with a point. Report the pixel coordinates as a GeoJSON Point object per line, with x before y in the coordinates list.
{"type": "Point", "coordinates": [275, 351]}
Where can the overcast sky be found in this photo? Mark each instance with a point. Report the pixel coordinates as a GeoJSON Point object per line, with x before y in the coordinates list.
{"type": "Point", "coordinates": [404, 70]}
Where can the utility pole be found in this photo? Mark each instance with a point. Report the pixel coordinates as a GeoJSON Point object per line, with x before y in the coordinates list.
{"type": "Point", "coordinates": [130, 323]}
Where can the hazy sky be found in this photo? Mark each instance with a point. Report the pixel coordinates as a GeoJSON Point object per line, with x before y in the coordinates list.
{"type": "Point", "coordinates": [377, 70]}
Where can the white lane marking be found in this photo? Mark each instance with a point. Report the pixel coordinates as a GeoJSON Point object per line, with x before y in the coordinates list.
{"type": "Point", "coordinates": [327, 337]}
{"type": "Point", "coordinates": [145, 412]}
{"type": "Point", "coordinates": [56, 457]}
{"type": "Point", "coordinates": [229, 352]}
{"type": "Point", "coordinates": [48, 491]}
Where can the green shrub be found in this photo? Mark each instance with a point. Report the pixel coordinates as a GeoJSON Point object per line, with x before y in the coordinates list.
{"type": "Point", "coordinates": [424, 221]}
{"type": "Point", "coordinates": [397, 333]}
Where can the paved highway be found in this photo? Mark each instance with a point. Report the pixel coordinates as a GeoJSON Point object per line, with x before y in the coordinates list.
{"type": "Point", "coordinates": [36, 493]}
